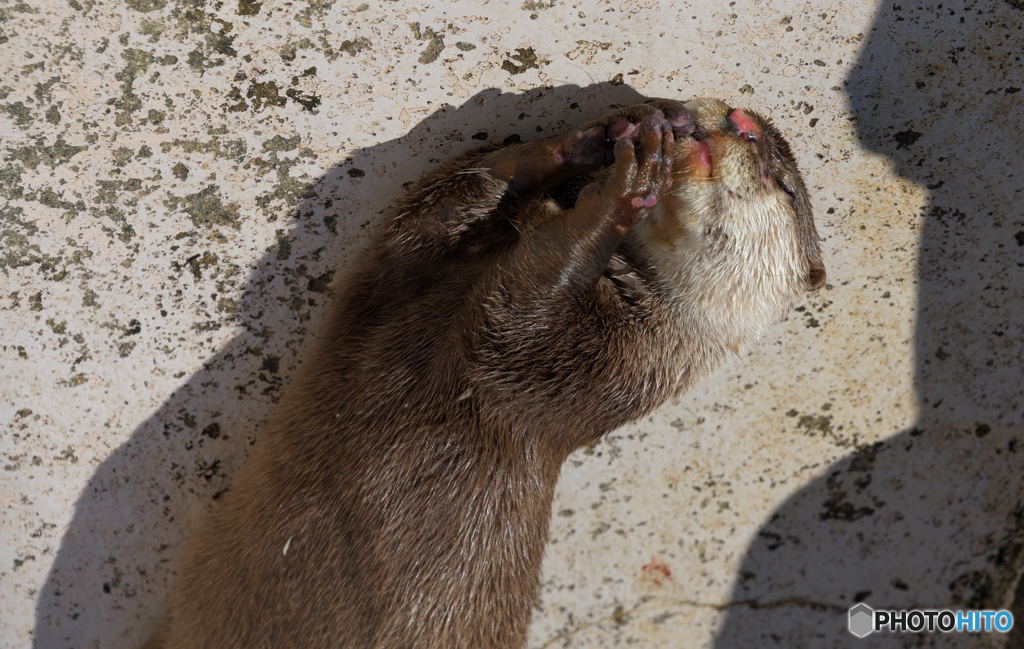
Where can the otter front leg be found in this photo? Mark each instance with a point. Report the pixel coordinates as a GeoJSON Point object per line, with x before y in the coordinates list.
{"type": "Point", "coordinates": [563, 256]}
{"type": "Point", "coordinates": [542, 331]}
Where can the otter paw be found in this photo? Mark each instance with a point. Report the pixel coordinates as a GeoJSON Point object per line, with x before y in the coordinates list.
{"type": "Point", "coordinates": [679, 118]}
{"type": "Point", "coordinates": [642, 171]}
{"type": "Point", "coordinates": [592, 145]}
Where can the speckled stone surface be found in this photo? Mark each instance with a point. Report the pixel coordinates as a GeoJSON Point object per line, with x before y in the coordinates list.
{"type": "Point", "coordinates": [181, 181]}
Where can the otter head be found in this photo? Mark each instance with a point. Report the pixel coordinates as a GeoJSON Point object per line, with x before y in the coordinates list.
{"type": "Point", "coordinates": [734, 238]}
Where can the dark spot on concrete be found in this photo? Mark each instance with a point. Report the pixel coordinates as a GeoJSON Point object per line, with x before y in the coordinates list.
{"type": "Point", "coordinates": [16, 246]}
{"type": "Point", "coordinates": [948, 218]}
{"type": "Point", "coordinates": [239, 106]}
{"type": "Point", "coordinates": [314, 9]}
{"type": "Point", "coordinates": [906, 138]}
{"type": "Point", "coordinates": [839, 505]}
{"type": "Point", "coordinates": [864, 458]}
{"type": "Point", "coordinates": [215, 38]}
{"type": "Point", "coordinates": [206, 208]}
{"type": "Point", "coordinates": [281, 143]}
{"type": "Point", "coordinates": [837, 508]}
{"type": "Point", "coordinates": [145, 6]}
{"type": "Point", "coordinates": [290, 51]}
{"type": "Point", "coordinates": [232, 149]}
{"type": "Point", "coordinates": [284, 245]}
{"type": "Point", "coordinates": [320, 283]}
{"type": "Point", "coordinates": [308, 101]}
{"type": "Point", "coordinates": [212, 431]}
{"type": "Point", "coordinates": [121, 156]}
{"type": "Point", "coordinates": [248, 7]}
{"type": "Point", "coordinates": [523, 59]}
{"type": "Point", "coordinates": [354, 46]}
{"type": "Point", "coordinates": [196, 263]}
{"type": "Point", "coordinates": [537, 5]}
{"type": "Point", "coordinates": [136, 62]}
{"type": "Point", "coordinates": [154, 29]}
{"type": "Point", "coordinates": [208, 470]}
{"type": "Point", "coordinates": [820, 423]}
{"type": "Point", "coordinates": [263, 94]}
{"type": "Point", "coordinates": [435, 44]}
{"type": "Point", "coordinates": [20, 112]}
{"type": "Point", "coordinates": [227, 305]}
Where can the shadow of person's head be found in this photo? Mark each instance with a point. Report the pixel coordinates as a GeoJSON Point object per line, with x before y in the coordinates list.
{"type": "Point", "coordinates": [110, 574]}
{"type": "Point", "coordinates": [936, 90]}
{"type": "Point", "coordinates": [932, 516]}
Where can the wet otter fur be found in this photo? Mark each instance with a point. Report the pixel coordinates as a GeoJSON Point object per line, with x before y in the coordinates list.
{"type": "Point", "coordinates": [400, 495]}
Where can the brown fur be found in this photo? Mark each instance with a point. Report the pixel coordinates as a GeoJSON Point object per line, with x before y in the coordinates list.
{"type": "Point", "coordinates": [400, 495]}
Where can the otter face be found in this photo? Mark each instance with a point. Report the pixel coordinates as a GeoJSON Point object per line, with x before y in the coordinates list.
{"type": "Point", "coordinates": [734, 238]}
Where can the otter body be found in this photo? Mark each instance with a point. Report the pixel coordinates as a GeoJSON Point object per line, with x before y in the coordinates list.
{"type": "Point", "coordinates": [400, 495]}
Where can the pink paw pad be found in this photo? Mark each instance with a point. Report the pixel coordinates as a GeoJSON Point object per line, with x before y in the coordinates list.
{"type": "Point", "coordinates": [650, 201]}
{"type": "Point", "coordinates": [622, 128]}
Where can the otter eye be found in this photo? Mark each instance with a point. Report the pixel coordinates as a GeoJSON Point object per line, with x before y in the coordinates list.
{"type": "Point", "coordinates": [786, 187]}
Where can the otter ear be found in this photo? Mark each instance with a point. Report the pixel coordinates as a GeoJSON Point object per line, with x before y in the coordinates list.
{"type": "Point", "coordinates": [816, 275]}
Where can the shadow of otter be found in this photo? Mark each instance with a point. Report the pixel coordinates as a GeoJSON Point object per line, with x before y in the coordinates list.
{"type": "Point", "coordinates": [109, 580]}
{"type": "Point", "coordinates": [932, 517]}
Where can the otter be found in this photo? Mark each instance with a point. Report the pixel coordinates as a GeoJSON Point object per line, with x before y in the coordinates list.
{"type": "Point", "coordinates": [399, 496]}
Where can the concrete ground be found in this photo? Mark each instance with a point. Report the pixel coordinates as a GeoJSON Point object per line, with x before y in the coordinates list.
{"type": "Point", "coordinates": [182, 180]}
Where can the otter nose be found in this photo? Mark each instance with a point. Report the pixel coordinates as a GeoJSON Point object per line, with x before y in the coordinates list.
{"type": "Point", "coordinates": [745, 127]}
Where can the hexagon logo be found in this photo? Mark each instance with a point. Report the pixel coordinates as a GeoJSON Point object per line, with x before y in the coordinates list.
{"type": "Point", "coordinates": [862, 620]}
